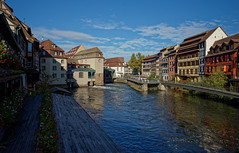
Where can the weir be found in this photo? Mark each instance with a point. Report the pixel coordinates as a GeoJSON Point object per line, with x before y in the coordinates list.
{"type": "Point", "coordinates": [145, 85]}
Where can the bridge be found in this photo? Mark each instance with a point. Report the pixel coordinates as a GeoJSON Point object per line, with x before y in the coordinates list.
{"type": "Point", "coordinates": [145, 85]}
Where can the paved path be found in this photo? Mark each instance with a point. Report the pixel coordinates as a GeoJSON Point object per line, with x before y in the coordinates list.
{"type": "Point", "coordinates": [77, 130]}
{"type": "Point", "coordinates": [23, 137]}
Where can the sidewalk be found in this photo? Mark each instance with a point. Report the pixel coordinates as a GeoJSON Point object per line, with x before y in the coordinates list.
{"type": "Point", "coordinates": [78, 132]}
{"type": "Point", "coordinates": [23, 137]}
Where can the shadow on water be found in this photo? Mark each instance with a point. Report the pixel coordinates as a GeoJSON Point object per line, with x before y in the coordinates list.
{"type": "Point", "coordinates": [165, 121]}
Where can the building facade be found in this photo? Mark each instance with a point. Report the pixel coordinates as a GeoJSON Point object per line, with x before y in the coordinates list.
{"type": "Point", "coordinates": [223, 55]}
{"type": "Point", "coordinates": [188, 54]}
{"type": "Point", "coordinates": [172, 63]}
{"type": "Point", "coordinates": [94, 58]}
{"type": "Point", "coordinates": [117, 64]}
{"type": "Point", "coordinates": [53, 63]}
{"type": "Point", "coordinates": [149, 65]}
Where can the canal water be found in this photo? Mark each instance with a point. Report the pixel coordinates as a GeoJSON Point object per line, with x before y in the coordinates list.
{"type": "Point", "coordinates": [161, 121]}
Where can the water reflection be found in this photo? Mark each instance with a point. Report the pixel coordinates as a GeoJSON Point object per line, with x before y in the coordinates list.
{"type": "Point", "coordinates": [161, 121]}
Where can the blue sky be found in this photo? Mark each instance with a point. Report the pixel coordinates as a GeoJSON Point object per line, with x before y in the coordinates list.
{"type": "Point", "coordinates": [122, 27]}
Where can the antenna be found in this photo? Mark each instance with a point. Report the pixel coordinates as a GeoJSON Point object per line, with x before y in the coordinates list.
{"type": "Point", "coordinates": [24, 20]}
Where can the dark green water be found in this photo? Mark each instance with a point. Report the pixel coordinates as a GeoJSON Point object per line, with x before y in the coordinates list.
{"type": "Point", "coordinates": [163, 121]}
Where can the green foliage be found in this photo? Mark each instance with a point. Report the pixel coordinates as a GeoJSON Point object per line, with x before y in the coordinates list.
{"type": "Point", "coordinates": [136, 62]}
{"type": "Point", "coordinates": [217, 80]}
{"type": "Point", "coordinates": [47, 136]}
{"type": "Point", "coordinates": [152, 76]}
{"type": "Point", "coordinates": [10, 107]}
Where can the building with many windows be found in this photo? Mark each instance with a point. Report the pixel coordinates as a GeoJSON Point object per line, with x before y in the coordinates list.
{"type": "Point", "coordinates": [117, 64]}
{"type": "Point", "coordinates": [192, 52]}
{"type": "Point", "coordinates": [224, 55]}
{"type": "Point", "coordinates": [53, 63]}
{"type": "Point", "coordinates": [94, 58]}
{"type": "Point", "coordinates": [149, 65]}
{"type": "Point", "coordinates": [172, 62]}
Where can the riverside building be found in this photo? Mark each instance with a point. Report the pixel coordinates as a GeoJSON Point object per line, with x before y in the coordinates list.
{"type": "Point", "coordinates": [53, 63]}
{"type": "Point", "coordinates": [223, 55]}
{"type": "Point", "coordinates": [192, 52]}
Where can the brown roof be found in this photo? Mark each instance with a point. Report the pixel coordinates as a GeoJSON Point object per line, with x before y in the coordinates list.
{"type": "Point", "coordinates": [115, 60]}
{"type": "Point", "coordinates": [91, 50]}
{"type": "Point", "coordinates": [196, 39]}
{"type": "Point", "coordinates": [48, 46]}
{"type": "Point", "coordinates": [226, 40]}
{"type": "Point", "coordinates": [151, 56]}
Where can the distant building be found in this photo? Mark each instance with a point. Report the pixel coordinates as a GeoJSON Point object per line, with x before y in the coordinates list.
{"type": "Point", "coordinates": [192, 52]}
{"type": "Point", "coordinates": [74, 51]}
{"type": "Point", "coordinates": [53, 63]}
{"type": "Point", "coordinates": [224, 55]}
{"type": "Point", "coordinates": [94, 58]}
{"type": "Point", "coordinates": [117, 64]}
{"type": "Point", "coordinates": [149, 65]}
{"type": "Point", "coordinates": [172, 62]}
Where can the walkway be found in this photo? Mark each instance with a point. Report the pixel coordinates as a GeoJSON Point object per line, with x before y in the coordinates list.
{"type": "Point", "coordinates": [23, 137]}
{"type": "Point", "coordinates": [203, 89]}
{"type": "Point", "coordinates": [78, 132]}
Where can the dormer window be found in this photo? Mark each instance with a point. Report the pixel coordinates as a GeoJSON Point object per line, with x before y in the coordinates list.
{"type": "Point", "coordinates": [60, 53]}
{"type": "Point", "coordinates": [44, 52]}
{"type": "Point", "coordinates": [55, 53]}
{"type": "Point", "coordinates": [54, 46]}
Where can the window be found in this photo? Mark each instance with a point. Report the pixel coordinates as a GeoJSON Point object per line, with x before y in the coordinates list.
{"type": "Point", "coordinates": [230, 57]}
{"type": "Point", "coordinates": [62, 68]}
{"type": "Point", "coordinates": [43, 60]}
{"type": "Point", "coordinates": [44, 52]}
{"type": "Point", "coordinates": [54, 68]}
{"type": "Point", "coordinates": [54, 75]}
{"type": "Point", "coordinates": [55, 53]}
{"type": "Point", "coordinates": [54, 46]}
{"type": "Point", "coordinates": [29, 62]}
{"type": "Point", "coordinates": [29, 47]}
{"type": "Point", "coordinates": [81, 75]}
{"type": "Point", "coordinates": [53, 61]}
{"type": "Point", "coordinates": [231, 46]}
{"type": "Point", "coordinates": [62, 61]}
{"type": "Point", "coordinates": [62, 75]}
{"type": "Point", "coordinates": [196, 71]}
{"type": "Point", "coordinates": [43, 68]}
{"type": "Point", "coordinates": [191, 71]}
{"type": "Point", "coordinates": [60, 53]}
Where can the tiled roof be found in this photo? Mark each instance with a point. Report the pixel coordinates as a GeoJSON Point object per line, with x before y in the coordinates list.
{"type": "Point", "coordinates": [48, 46]}
{"type": "Point", "coordinates": [195, 40]}
{"type": "Point", "coordinates": [226, 40]}
{"type": "Point", "coordinates": [91, 50]}
{"type": "Point", "coordinates": [114, 62]}
{"type": "Point", "coordinates": [74, 50]}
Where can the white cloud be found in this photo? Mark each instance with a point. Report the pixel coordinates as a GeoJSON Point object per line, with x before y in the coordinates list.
{"type": "Point", "coordinates": [106, 25]}
{"type": "Point", "coordinates": [69, 35]}
{"type": "Point", "coordinates": [138, 43]}
{"type": "Point", "coordinates": [175, 34]}
{"type": "Point", "coordinates": [118, 38]}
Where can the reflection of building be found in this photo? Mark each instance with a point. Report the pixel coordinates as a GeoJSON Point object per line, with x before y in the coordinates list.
{"type": "Point", "coordinates": [53, 63]}
{"type": "Point", "coordinates": [223, 55]}
{"type": "Point", "coordinates": [149, 65]}
{"type": "Point", "coordinates": [192, 52]}
{"type": "Point", "coordinates": [92, 57]}
{"type": "Point", "coordinates": [117, 64]}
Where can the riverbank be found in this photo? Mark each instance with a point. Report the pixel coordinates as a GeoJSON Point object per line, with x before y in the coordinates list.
{"type": "Point", "coordinates": [78, 132]}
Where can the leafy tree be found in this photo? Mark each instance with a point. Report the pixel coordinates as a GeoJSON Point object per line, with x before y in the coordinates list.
{"type": "Point", "coordinates": [136, 62]}
{"type": "Point", "coordinates": [217, 80]}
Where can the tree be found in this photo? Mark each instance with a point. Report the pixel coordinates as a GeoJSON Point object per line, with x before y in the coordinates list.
{"type": "Point", "coordinates": [136, 62]}
{"type": "Point", "coordinates": [218, 80]}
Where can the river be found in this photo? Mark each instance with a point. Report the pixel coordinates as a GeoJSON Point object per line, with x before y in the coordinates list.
{"type": "Point", "coordinates": [161, 121]}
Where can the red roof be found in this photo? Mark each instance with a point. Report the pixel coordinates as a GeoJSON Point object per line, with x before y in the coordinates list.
{"type": "Point", "coordinates": [49, 45]}
{"type": "Point", "coordinates": [114, 62]}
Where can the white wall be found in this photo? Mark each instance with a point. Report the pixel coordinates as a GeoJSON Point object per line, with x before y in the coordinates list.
{"type": "Point", "coordinates": [216, 35]}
